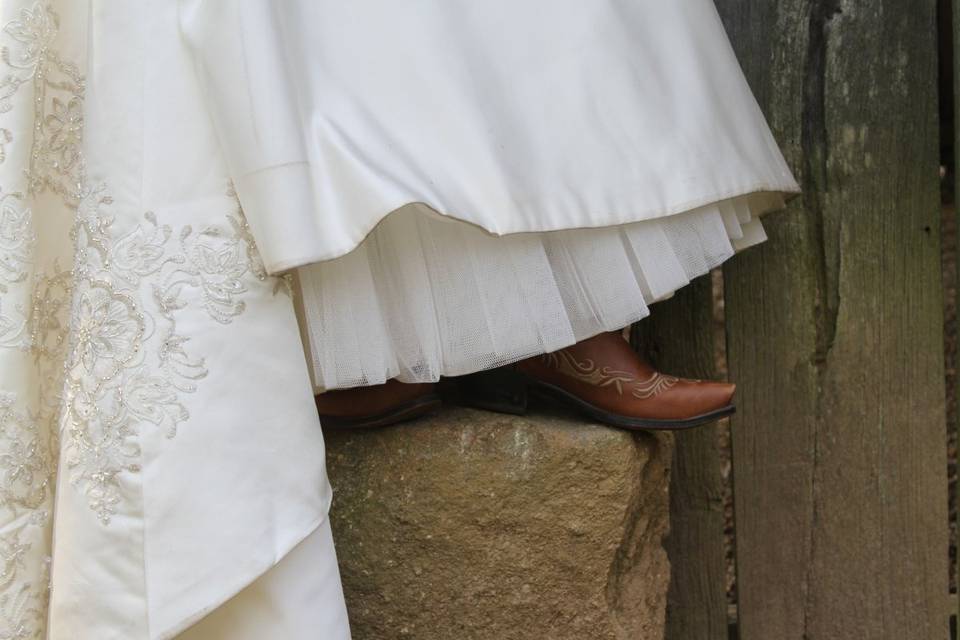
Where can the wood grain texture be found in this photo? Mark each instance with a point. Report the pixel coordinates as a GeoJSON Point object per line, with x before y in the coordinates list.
{"type": "Point", "coordinates": [955, 10]}
{"type": "Point", "coordinates": [680, 338]}
{"type": "Point", "coordinates": [835, 330]}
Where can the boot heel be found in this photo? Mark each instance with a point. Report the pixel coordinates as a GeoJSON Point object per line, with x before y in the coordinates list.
{"type": "Point", "coordinates": [503, 390]}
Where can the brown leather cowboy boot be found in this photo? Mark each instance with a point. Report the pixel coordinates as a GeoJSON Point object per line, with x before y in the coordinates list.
{"type": "Point", "coordinates": [604, 378]}
{"type": "Point", "coordinates": [376, 406]}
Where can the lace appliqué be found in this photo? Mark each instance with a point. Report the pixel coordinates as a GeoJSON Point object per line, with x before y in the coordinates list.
{"type": "Point", "coordinates": [103, 337]}
{"type": "Point", "coordinates": [129, 361]}
{"type": "Point", "coordinates": [26, 489]}
{"type": "Point", "coordinates": [16, 248]}
{"type": "Point", "coordinates": [58, 88]}
{"type": "Point", "coordinates": [39, 89]}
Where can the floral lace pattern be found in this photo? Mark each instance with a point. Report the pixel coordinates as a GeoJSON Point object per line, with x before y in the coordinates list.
{"type": "Point", "coordinates": [16, 247]}
{"type": "Point", "coordinates": [34, 300]}
{"type": "Point", "coordinates": [58, 86]}
{"type": "Point", "coordinates": [129, 363]}
{"type": "Point", "coordinates": [26, 489]}
{"type": "Point", "coordinates": [96, 351]}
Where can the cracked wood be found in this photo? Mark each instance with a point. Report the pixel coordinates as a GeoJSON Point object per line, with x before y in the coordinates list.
{"type": "Point", "coordinates": [835, 331]}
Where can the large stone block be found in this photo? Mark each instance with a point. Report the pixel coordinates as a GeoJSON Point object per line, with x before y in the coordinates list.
{"type": "Point", "coordinates": [472, 525]}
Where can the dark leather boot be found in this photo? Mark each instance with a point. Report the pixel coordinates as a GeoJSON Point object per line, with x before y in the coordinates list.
{"type": "Point", "coordinates": [376, 406]}
{"type": "Point", "coordinates": [605, 379]}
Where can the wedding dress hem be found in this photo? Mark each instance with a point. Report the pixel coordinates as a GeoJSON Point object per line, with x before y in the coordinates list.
{"type": "Point", "coordinates": [285, 247]}
{"type": "Point", "coordinates": [425, 296]}
{"type": "Point", "coordinates": [234, 590]}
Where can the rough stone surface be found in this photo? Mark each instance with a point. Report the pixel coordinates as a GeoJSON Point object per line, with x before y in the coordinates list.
{"type": "Point", "coordinates": [473, 525]}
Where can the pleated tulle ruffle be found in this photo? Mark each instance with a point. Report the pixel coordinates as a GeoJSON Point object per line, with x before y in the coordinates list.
{"type": "Point", "coordinates": [426, 296]}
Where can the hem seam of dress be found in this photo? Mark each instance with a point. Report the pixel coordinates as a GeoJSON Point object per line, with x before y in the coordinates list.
{"type": "Point", "coordinates": [280, 266]}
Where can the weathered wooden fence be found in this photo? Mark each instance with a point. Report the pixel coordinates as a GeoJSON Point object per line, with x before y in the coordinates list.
{"type": "Point", "coordinates": [834, 332]}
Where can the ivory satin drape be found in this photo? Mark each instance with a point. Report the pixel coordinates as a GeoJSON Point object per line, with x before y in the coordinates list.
{"type": "Point", "coordinates": [616, 140]}
{"type": "Point", "coordinates": [513, 116]}
{"type": "Point", "coordinates": [159, 445]}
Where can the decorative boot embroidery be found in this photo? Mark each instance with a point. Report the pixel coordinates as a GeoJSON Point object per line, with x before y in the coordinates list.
{"type": "Point", "coordinates": [589, 372]}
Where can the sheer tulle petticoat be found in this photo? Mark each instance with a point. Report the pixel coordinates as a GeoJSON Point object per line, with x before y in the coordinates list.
{"type": "Point", "coordinates": [426, 296]}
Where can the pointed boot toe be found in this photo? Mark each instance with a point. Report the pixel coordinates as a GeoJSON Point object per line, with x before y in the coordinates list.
{"type": "Point", "coordinates": [709, 397]}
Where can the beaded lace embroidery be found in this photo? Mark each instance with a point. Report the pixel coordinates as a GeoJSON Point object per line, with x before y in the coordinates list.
{"type": "Point", "coordinates": [96, 351]}
{"type": "Point", "coordinates": [129, 363]}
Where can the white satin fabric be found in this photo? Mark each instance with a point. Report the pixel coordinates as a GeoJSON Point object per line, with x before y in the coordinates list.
{"type": "Point", "coordinates": [299, 599]}
{"type": "Point", "coordinates": [160, 451]}
{"type": "Point", "coordinates": [610, 142]}
{"type": "Point", "coordinates": [514, 116]}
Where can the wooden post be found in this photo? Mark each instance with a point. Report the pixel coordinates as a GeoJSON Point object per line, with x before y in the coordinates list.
{"type": "Point", "coordinates": [835, 331]}
{"type": "Point", "coordinates": [680, 337]}
{"type": "Point", "coordinates": [954, 7]}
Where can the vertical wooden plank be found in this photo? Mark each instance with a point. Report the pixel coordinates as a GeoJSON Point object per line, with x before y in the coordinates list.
{"type": "Point", "coordinates": [771, 326]}
{"type": "Point", "coordinates": [680, 337]}
{"type": "Point", "coordinates": [835, 331]}
{"type": "Point", "coordinates": [954, 7]}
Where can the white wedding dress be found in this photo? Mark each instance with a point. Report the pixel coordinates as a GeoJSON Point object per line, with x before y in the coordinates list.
{"type": "Point", "coordinates": [627, 117]}
{"type": "Point", "coordinates": [450, 185]}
